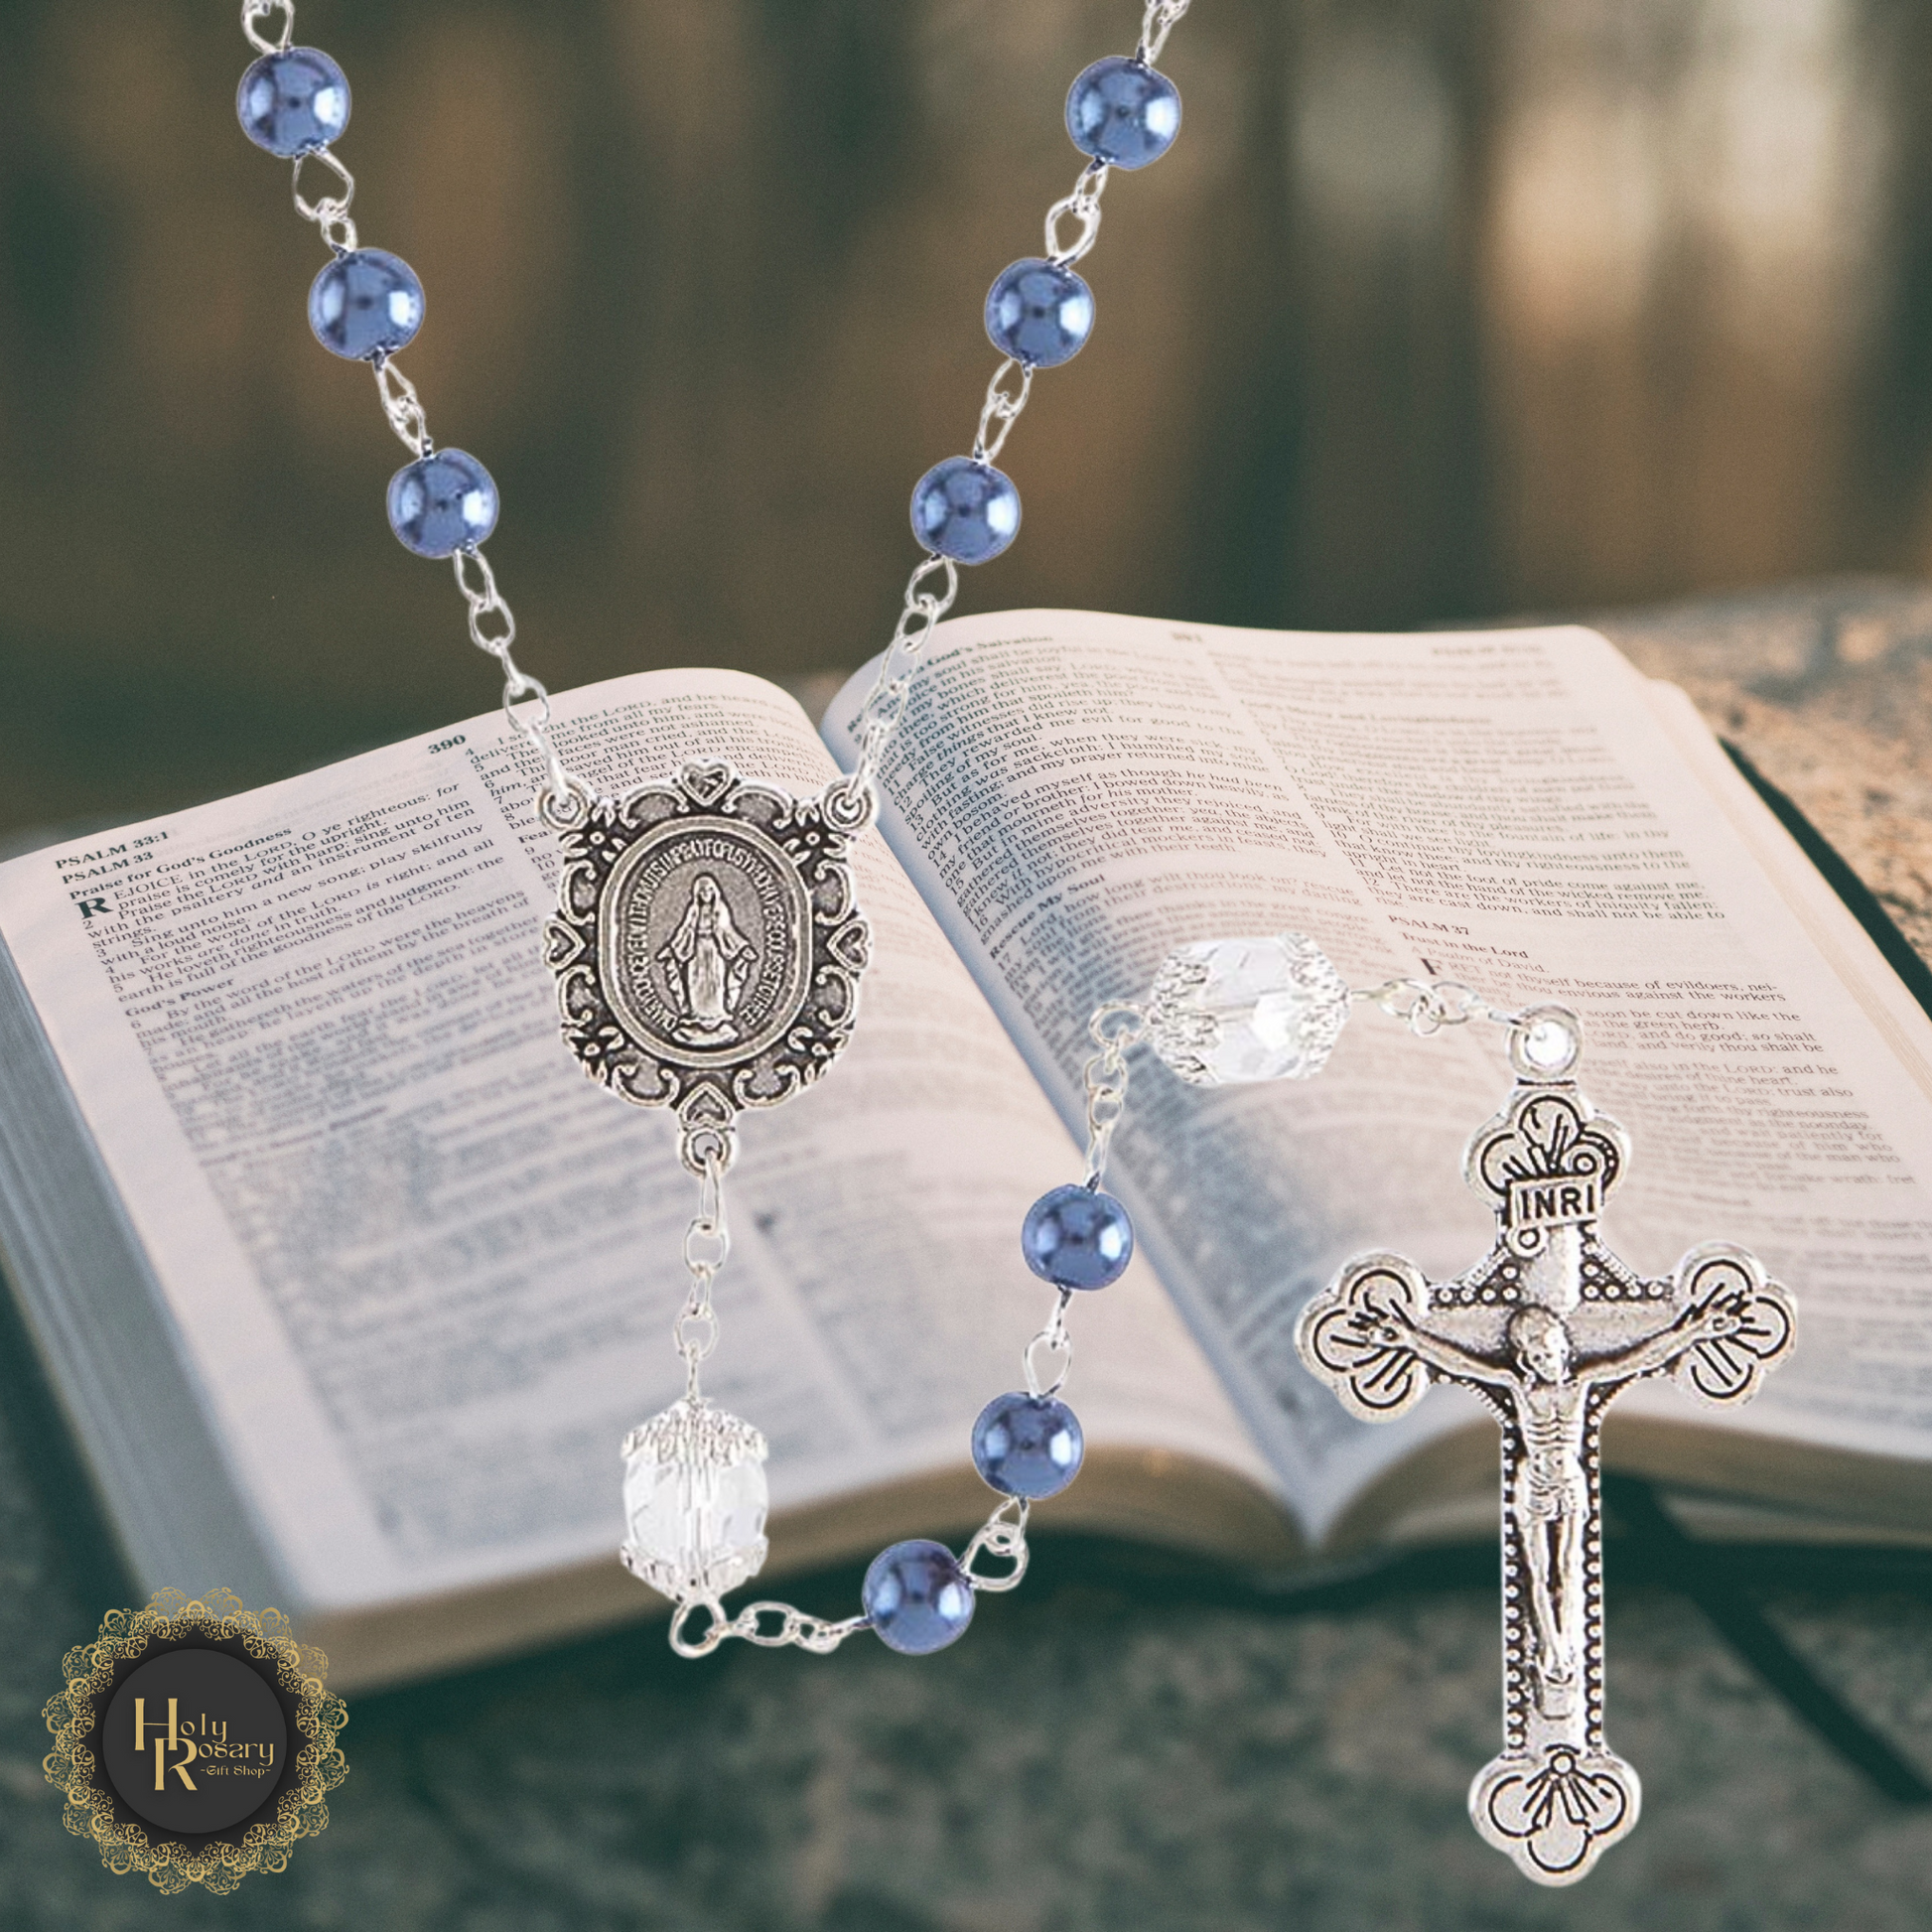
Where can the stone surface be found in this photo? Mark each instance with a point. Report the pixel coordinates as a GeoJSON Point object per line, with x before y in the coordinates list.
{"type": "Point", "coordinates": [1098, 1754]}
{"type": "Point", "coordinates": [1828, 689]}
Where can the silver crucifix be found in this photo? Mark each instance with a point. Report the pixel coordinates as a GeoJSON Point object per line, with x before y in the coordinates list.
{"type": "Point", "coordinates": [1545, 1330]}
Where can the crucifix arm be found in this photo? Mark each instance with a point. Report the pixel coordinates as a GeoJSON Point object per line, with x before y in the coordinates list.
{"type": "Point", "coordinates": [1721, 1316]}
{"type": "Point", "coordinates": [1735, 1325]}
{"type": "Point", "coordinates": [1449, 1357]}
{"type": "Point", "coordinates": [1361, 1336]}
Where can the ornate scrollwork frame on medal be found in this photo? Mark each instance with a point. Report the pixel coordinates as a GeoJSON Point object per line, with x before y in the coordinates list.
{"type": "Point", "coordinates": [708, 947]}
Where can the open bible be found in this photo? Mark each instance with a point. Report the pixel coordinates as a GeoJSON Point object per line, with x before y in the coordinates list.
{"type": "Point", "coordinates": [351, 1284]}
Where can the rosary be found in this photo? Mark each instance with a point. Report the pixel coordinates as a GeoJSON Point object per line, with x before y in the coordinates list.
{"type": "Point", "coordinates": [708, 948]}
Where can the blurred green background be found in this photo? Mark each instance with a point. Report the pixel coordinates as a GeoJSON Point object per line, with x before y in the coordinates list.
{"type": "Point", "coordinates": [1438, 308]}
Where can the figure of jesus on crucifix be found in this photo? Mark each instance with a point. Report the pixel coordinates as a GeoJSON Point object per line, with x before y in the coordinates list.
{"type": "Point", "coordinates": [1545, 1330]}
{"type": "Point", "coordinates": [1549, 1393]}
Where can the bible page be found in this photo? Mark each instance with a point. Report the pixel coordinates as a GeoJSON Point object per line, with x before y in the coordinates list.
{"type": "Point", "coordinates": [1078, 795]}
{"type": "Point", "coordinates": [425, 1272]}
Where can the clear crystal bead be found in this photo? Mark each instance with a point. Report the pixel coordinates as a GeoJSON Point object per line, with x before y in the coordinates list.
{"type": "Point", "coordinates": [1548, 1045]}
{"type": "Point", "coordinates": [1230, 1010]}
{"type": "Point", "coordinates": [1545, 1042]}
{"type": "Point", "coordinates": [694, 1501]}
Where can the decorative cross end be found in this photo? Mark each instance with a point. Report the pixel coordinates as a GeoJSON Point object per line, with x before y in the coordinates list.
{"type": "Point", "coordinates": [1554, 1812]}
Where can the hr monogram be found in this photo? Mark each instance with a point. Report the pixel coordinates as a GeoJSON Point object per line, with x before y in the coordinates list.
{"type": "Point", "coordinates": [1545, 1330]}
{"type": "Point", "coordinates": [173, 1738]}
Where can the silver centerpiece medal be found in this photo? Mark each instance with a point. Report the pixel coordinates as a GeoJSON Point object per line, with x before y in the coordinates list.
{"type": "Point", "coordinates": [708, 947]}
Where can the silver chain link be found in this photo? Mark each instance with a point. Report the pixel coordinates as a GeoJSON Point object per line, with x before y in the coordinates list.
{"type": "Point", "coordinates": [1426, 1007]}
{"type": "Point", "coordinates": [402, 406]}
{"type": "Point", "coordinates": [795, 1626]}
{"type": "Point", "coordinates": [707, 1246]}
{"type": "Point", "coordinates": [1155, 25]}
{"type": "Point", "coordinates": [849, 803]}
{"type": "Point", "coordinates": [1082, 206]}
{"type": "Point", "coordinates": [1004, 1536]}
{"type": "Point", "coordinates": [487, 602]}
{"type": "Point", "coordinates": [563, 799]}
{"type": "Point", "coordinates": [1114, 1029]}
{"type": "Point", "coordinates": [1054, 1343]}
{"type": "Point", "coordinates": [1001, 409]}
{"type": "Point", "coordinates": [255, 11]}
{"type": "Point", "coordinates": [330, 213]}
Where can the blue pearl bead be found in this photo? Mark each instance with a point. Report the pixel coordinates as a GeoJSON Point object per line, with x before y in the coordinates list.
{"type": "Point", "coordinates": [1077, 1237]}
{"type": "Point", "coordinates": [1027, 1445]}
{"type": "Point", "coordinates": [965, 511]}
{"type": "Point", "coordinates": [1040, 312]}
{"type": "Point", "coordinates": [1123, 112]}
{"type": "Point", "coordinates": [368, 303]}
{"type": "Point", "coordinates": [918, 1598]}
{"type": "Point", "coordinates": [293, 102]}
{"type": "Point", "coordinates": [441, 503]}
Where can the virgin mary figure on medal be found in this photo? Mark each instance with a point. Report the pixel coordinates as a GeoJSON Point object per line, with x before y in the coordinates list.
{"type": "Point", "coordinates": [707, 960]}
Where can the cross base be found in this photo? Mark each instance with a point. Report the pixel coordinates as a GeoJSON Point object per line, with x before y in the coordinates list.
{"type": "Point", "coordinates": [1556, 1810]}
